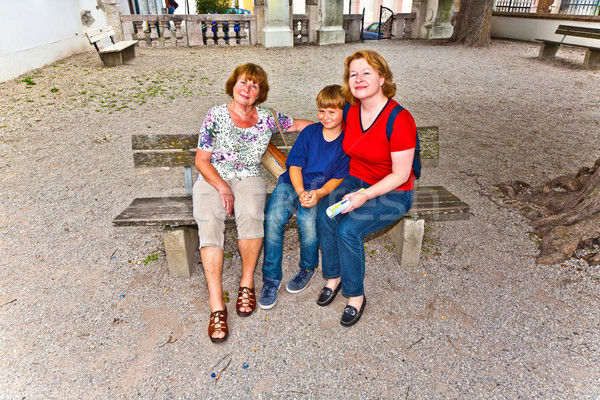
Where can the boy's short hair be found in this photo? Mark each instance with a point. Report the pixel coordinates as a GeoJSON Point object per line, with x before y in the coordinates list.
{"type": "Point", "coordinates": [331, 97]}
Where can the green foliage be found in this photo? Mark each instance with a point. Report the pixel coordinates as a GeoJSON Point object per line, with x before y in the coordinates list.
{"type": "Point", "coordinates": [54, 90]}
{"type": "Point", "coordinates": [28, 80]}
{"type": "Point", "coordinates": [211, 6]}
{"type": "Point", "coordinates": [151, 257]}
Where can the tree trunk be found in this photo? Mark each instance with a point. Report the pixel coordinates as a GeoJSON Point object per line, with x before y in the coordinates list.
{"type": "Point", "coordinates": [473, 22]}
{"type": "Point", "coordinates": [568, 216]}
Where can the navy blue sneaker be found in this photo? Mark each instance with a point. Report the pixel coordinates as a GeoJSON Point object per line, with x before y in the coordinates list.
{"type": "Point", "coordinates": [268, 294]}
{"type": "Point", "coordinates": [300, 281]}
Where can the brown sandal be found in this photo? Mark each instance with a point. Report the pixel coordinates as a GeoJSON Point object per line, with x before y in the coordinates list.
{"type": "Point", "coordinates": [218, 322]}
{"type": "Point", "coordinates": [248, 301]}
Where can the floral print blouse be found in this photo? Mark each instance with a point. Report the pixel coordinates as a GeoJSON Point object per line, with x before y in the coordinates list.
{"type": "Point", "coordinates": [237, 152]}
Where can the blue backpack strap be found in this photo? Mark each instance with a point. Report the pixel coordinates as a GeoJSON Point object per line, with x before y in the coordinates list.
{"type": "Point", "coordinates": [346, 109]}
{"type": "Point", "coordinates": [389, 128]}
{"type": "Point", "coordinates": [416, 167]}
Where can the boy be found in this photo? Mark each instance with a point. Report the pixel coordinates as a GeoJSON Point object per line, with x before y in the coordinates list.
{"type": "Point", "coordinates": [316, 165]}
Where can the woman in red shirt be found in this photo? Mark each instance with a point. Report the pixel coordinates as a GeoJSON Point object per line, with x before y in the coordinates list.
{"type": "Point", "coordinates": [380, 166]}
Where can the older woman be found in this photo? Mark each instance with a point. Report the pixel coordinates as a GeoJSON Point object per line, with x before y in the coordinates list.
{"type": "Point", "coordinates": [380, 166]}
{"type": "Point", "coordinates": [232, 140]}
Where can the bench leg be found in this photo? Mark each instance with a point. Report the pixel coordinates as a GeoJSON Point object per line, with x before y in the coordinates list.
{"type": "Point", "coordinates": [592, 59]}
{"type": "Point", "coordinates": [407, 237]}
{"type": "Point", "coordinates": [128, 53]}
{"type": "Point", "coordinates": [111, 59]}
{"type": "Point", "coordinates": [548, 50]}
{"type": "Point", "coordinates": [181, 244]}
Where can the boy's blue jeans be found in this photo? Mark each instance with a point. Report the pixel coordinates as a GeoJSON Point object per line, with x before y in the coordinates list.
{"type": "Point", "coordinates": [341, 237]}
{"type": "Point", "coordinates": [284, 201]}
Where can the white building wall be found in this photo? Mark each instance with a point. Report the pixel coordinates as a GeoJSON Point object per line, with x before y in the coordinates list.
{"type": "Point", "coordinates": [35, 33]}
{"type": "Point", "coordinates": [538, 28]}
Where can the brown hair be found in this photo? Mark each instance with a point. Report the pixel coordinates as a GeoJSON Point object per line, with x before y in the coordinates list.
{"type": "Point", "coordinates": [251, 72]}
{"type": "Point", "coordinates": [378, 63]}
{"type": "Point", "coordinates": [331, 97]}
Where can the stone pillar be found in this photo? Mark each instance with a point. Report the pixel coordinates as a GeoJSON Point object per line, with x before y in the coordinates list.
{"type": "Point", "coordinates": [112, 8]}
{"type": "Point", "coordinates": [259, 11]}
{"type": "Point", "coordinates": [442, 28]}
{"type": "Point", "coordinates": [424, 18]}
{"type": "Point", "coordinates": [332, 19]}
{"type": "Point", "coordinates": [277, 31]}
{"type": "Point", "coordinates": [312, 10]}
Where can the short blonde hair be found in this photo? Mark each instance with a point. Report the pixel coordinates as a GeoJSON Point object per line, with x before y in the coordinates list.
{"type": "Point", "coordinates": [251, 72]}
{"type": "Point", "coordinates": [331, 97]}
{"type": "Point", "coordinates": [378, 63]}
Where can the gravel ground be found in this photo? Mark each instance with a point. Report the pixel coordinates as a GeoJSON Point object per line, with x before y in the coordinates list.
{"type": "Point", "coordinates": [87, 313]}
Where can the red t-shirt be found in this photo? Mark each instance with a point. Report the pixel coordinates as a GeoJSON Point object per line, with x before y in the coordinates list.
{"type": "Point", "coordinates": [370, 151]}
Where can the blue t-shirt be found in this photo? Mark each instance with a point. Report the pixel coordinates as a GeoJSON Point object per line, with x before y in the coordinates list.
{"type": "Point", "coordinates": [319, 159]}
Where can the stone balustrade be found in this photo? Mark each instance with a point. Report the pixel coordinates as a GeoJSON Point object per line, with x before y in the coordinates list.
{"type": "Point", "coordinates": [168, 30]}
{"type": "Point", "coordinates": [301, 28]}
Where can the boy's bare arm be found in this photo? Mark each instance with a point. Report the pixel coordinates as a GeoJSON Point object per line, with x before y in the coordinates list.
{"type": "Point", "coordinates": [297, 180]}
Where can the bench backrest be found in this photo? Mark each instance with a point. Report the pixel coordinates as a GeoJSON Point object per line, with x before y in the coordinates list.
{"type": "Point", "coordinates": [580, 31]}
{"type": "Point", "coordinates": [95, 35]}
{"type": "Point", "coordinates": [179, 150]}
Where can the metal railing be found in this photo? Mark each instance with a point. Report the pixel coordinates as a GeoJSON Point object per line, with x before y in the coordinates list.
{"type": "Point", "coordinates": [522, 6]}
{"type": "Point", "coordinates": [580, 7]}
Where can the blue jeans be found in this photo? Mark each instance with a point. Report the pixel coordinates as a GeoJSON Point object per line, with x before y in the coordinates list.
{"type": "Point", "coordinates": [341, 237]}
{"type": "Point", "coordinates": [282, 204]}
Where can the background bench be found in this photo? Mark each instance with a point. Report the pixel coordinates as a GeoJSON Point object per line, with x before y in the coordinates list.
{"type": "Point", "coordinates": [175, 213]}
{"type": "Point", "coordinates": [115, 54]}
{"type": "Point", "coordinates": [549, 48]}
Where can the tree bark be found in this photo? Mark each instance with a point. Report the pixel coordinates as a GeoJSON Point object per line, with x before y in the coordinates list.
{"type": "Point", "coordinates": [567, 215]}
{"type": "Point", "coordinates": [473, 22]}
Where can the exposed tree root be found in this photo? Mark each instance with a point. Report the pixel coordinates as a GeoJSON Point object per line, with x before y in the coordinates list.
{"type": "Point", "coordinates": [565, 213]}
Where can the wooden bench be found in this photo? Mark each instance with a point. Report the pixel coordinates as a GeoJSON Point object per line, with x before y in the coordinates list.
{"type": "Point", "coordinates": [115, 54]}
{"type": "Point", "coordinates": [549, 48]}
{"type": "Point", "coordinates": [175, 213]}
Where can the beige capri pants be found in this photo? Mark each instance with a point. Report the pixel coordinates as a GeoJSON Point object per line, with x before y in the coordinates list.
{"type": "Point", "coordinates": [248, 207]}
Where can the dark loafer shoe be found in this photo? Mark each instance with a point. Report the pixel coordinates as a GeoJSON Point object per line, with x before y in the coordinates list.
{"type": "Point", "coordinates": [351, 315]}
{"type": "Point", "coordinates": [328, 295]}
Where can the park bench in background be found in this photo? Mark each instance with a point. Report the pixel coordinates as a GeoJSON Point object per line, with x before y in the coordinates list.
{"type": "Point", "coordinates": [175, 214]}
{"type": "Point", "coordinates": [115, 54]}
{"type": "Point", "coordinates": [549, 48]}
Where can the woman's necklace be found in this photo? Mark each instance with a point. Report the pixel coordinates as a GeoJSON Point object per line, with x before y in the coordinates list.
{"type": "Point", "coordinates": [243, 115]}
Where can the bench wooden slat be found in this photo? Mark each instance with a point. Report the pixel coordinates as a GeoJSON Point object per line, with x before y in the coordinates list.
{"type": "Point", "coordinates": [164, 141]}
{"type": "Point", "coordinates": [149, 150]}
{"type": "Point", "coordinates": [118, 47]}
{"type": "Point", "coordinates": [164, 158]}
{"type": "Point", "coordinates": [555, 43]}
{"type": "Point", "coordinates": [579, 31]}
{"type": "Point", "coordinates": [99, 34]}
{"type": "Point", "coordinates": [178, 210]}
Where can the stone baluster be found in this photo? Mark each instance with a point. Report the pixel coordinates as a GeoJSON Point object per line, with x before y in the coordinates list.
{"type": "Point", "coordinates": [153, 33]}
{"type": "Point", "coordinates": [138, 26]}
{"type": "Point", "coordinates": [231, 33]}
{"type": "Point", "coordinates": [243, 33]}
{"type": "Point", "coordinates": [167, 36]}
{"type": "Point", "coordinates": [304, 31]}
{"type": "Point", "coordinates": [210, 35]}
{"type": "Point", "coordinates": [220, 34]}
{"type": "Point", "coordinates": [408, 23]}
{"type": "Point", "coordinates": [178, 34]}
{"type": "Point", "coordinates": [165, 30]}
